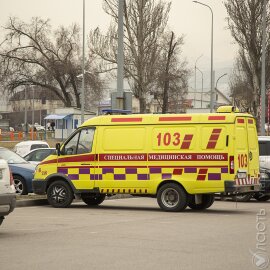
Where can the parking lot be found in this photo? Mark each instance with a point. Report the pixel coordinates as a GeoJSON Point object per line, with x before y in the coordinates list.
{"type": "Point", "coordinates": [131, 234]}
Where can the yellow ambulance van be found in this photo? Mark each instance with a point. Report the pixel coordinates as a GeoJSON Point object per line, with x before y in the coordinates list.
{"type": "Point", "coordinates": [181, 159]}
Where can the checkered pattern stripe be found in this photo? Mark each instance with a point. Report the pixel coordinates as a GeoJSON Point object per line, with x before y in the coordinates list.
{"type": "Point", "coordinates": [246, 181]}
{"type": "Point", "coordinates": [141, 174]}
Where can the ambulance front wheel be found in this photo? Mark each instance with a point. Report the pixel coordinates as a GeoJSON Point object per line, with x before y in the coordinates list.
{"type": "Point", "coordinates": [172, 197]}
{"type": "Point", "coordinates": [93, 199]}
{"type": "Point", "coordinates": [207, 201]}
{"type": "Point", "coordinates": [60, 194]}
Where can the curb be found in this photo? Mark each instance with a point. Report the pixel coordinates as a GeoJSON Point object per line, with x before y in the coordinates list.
{"type": "Point", "coordinates": [35, 202]}
{"type": "Point", "coordinates": [40, 202]}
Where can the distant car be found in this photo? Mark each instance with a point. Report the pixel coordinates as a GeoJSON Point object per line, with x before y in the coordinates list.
{"type": "Point", "coordinates": [37, 155]}
{"type": "Point", "coordinates": [7, 191]}
{"type": "Point", "coordinates": [264, 151]}
{"type": "Point", "coordinates": [22, 171]}
{"type": "Point", "coordinates": [264, 194]}
{"type": "Point", "coordinates": [23, 148]}
{"type": "Point", "coordinates": [39, 127]}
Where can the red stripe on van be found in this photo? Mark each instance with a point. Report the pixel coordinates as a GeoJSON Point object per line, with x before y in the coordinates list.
{"type": "Point", "coordinates": [214, 137]}
{"type": "Point", "coordinates": [240, 121]}
{"type": "Point", "coordinates": [250, 121]}
{"type": "Point", "coordinates": [139, 119]}
{"type": "Point", "coordinates": [175, 118]}
{"type": "Point", "coordinates": [211, 145]}
{"type": "Point", "coordinates": [216, 117]}
{"type": "Point", "coordinates": [48, 161]}
{"type": "Point", "coordinates": [78, 158]}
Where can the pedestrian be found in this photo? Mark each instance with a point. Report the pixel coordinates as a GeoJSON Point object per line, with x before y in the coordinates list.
{"type": "Point", "coordinates": [49, 126]}
{"type": "Point", "coordinates": [52, 125]}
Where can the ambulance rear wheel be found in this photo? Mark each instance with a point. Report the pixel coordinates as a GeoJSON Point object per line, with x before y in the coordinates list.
{"type": "Point", "coordinates": [207, 201]}
{"type": "Point", "coordinates": [172, 197]}
{"type": "Point", "coordinates": [93, 199]}
{"type": "Point", "coordinates": [60, 194]}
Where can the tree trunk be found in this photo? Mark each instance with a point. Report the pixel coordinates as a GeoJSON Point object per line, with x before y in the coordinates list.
{"type": "Point", "coordinates": [142, 104]}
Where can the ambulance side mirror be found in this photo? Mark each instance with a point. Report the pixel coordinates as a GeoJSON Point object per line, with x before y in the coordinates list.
{"type": "Point", "coordinates": [57, 147]}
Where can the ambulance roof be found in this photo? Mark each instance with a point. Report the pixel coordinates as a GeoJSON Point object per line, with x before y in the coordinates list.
{"type": "Point", "coordinates": [148, 119]}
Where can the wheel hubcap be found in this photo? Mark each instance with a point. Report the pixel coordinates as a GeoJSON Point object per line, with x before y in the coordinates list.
{"type": "Point", "coordinates": [58, 194]}
{"type": "Point", "coordinates": [170, 197]}
{"type": "Point", "coordinates": [18, 186]}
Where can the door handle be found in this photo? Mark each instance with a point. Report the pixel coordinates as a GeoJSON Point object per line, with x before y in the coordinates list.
{"type": "Point", "coordinates": [250, 155]}
{"type": "Point", "coordinates": [86, 164]}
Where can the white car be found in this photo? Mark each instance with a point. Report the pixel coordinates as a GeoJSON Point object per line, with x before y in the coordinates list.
{"type": "Point", "coordinates": [7, 191]}
{"type": "Point", "coordinates": [37, 155]}
{"type": "Point", "coordinates": [39, 127]}
{"type": "Point", "coordinates": [23, 148]}
{"type": "Point", "coordinates": [264, 151]}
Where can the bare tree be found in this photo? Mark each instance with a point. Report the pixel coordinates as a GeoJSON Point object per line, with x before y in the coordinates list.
{"type": "Point", "coordinates": [241, 84]}
{"type": "Point", "coordinates": [145, 22]}
{"type": "Point", "coordinates": [34, 55]}
{"type": "Point", "coordinates": [172, 77]}
{"type": "Point", "coordinates": [245, 23]}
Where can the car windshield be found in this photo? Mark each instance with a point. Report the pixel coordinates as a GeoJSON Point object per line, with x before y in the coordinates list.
{"type": "Point", "coordinates": [11, 157]}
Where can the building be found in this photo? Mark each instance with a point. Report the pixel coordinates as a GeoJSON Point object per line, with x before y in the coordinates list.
{"type": "Point", "coordinates": [34, 103]}
{"type": "Point", "coordinates": [66, 120]}
{"type": "Point", "coordinates": [200, 100]}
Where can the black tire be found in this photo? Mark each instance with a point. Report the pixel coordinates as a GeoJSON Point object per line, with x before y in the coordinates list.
{"type": "Point", "coordinates": [261, 197]}
{"type": "Point", "coordinates": [93, 199]}
{"type": "Point", "coordinates": [243, 198]}
{"type": "Point", "coordinates": [60, 194]}
{"type": "Point", "coordinates": [207, 201]}
{"type": "Point", "coordinates": [20, 185]}
{"type": "Point", "coordinates": [172, 197]}
{"type": "Point", "coordinates": [1, 219]}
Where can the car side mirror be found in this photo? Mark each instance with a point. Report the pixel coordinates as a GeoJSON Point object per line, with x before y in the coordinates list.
{"type": "Point", "coordinates": [57, 147]}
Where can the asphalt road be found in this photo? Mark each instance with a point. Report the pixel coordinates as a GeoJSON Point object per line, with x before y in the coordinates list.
{"type": "Point", "coordinates": [132, 234]}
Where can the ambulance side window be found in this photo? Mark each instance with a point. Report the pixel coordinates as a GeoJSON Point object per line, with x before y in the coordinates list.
{"type": "Point", "coordinates": [85, 141]}
{"type": "Point", "coordinates": [80, 143]}
{"type": "Point", "coordinates": [70, 147]}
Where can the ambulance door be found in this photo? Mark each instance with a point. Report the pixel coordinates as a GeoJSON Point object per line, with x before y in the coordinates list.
{"type": "Point", "coordinates": [77, 160]}
{"type": "Point", "coordinates": [253, 148]}
{"type": "Point", "coordinates": [122, 166]}
{"type": "Point", "coordinates": [241, 159]}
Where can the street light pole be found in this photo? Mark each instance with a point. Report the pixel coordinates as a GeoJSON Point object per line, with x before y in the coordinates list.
{"type": "Point", "coordinates": [216, 86]}
{"type": "Point", "coordinates": [195, 82]}
{"type": "Point", "coordinates": [263, 70]}
{"type": "Point", "coordinates": [212, 45]}
{"type": "Point", "coordinates": [83, 66]}
{"type": "Point", "coordinates": [33, 113]}
{"type": "Point", "coordinates": [195, 69]}
{"type": "Point", "coordinates": [220, 78]}
{"type": "Point", "coordinates": [202, 85]}
{"type": "Point", "coordinates": [120, 54]}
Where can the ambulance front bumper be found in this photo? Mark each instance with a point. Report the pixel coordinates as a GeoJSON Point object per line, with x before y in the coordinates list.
{"type": "Point", "coordinates": [39, 186]}
{"type": "Point", "coordinates": [231, 187]}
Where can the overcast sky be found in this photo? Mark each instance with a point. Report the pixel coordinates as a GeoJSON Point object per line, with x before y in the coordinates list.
{"type": "Point", "coordinates": [192, 20]}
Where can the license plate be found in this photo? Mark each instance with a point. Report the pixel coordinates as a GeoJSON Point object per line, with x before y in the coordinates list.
{"type": "Point", "coordinates": [241, 175]}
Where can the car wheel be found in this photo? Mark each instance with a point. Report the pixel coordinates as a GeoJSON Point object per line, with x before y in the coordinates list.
{"type": "Point", "coordinates": [60, 194]}
{"type": "Point", "coordinates": [207, 201]}
{"type": "Point", "coordinates": [243, 198]}
{"type": "Point", "coordinates": [172, 197]}
{"type": "Point", "coordinates": [20, 185]}
{"type": "Point", "coordinates": [93, 199]}
{"type": "Point", "coordinates": [261, 197]}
